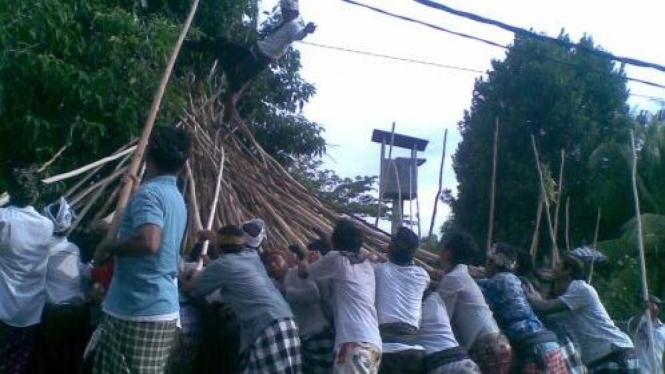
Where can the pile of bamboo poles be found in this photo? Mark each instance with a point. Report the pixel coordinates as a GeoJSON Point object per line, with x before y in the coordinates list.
{"type": "Point", "coordinates": [253, 185]}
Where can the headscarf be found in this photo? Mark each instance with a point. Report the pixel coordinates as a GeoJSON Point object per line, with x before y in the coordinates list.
{"type": "Point", "coordinates": [500, 259]}
{"type": "Point", "coordinates": [255, 232]}
{"type": "Point", "coordinates": [62, 220]}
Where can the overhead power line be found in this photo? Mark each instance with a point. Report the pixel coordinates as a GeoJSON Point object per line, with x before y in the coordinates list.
{"type": "Point", "coordinates": [549, 39]}
{"type": "Point", "coordinates": [486, 41]}
{"type": "Point", "coordinates": [427, 63]}
{"type": "Point", "coordinates": [403, 59]}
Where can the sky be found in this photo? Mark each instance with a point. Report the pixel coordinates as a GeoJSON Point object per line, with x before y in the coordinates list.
{"type": "Point", "coordinates": [356, 93]}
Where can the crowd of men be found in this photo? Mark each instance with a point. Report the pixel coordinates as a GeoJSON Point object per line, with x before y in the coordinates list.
{"type": "Point", "coordinates": [141, 307]}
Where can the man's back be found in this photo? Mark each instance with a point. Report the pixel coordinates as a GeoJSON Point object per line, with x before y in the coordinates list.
{"type": "Point", "coordinates": [399, 293]}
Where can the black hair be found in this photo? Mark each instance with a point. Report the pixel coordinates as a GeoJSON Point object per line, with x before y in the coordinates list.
{"type": "Point", "coordinates": [404, 245]}
{"type": "Point", "coordinates": [319, 245]}
{"type": "Point", "coordinates": [575, 265]}
{"type": "Point", "coordinates": [524, 264]}
{"type": "Point", "coordinates": [22, 186]}
{"type": "Point", "coordinates": [347, 237]}
{"type": "Point", "coordinates": [169, 149]}
{"type": "Point", "coordinates": [231, 231]}
{"type": "Point", "coordinates": [462, 248]}
{"type": "Point", "coordinates": [509, 252]}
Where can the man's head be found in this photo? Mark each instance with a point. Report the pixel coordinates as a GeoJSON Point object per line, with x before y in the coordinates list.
{"type": "Point", "coordinates": [501, 258]}
{"type": "Point", "coordinates": [319, 245]}
{"type": "Point", "coordinates": [168, 150]}
{"type": "Point", "coordinates": [654, 306]}
{"type": "Point", "coordinates": [276, 265]}
{"type": "Point", "coordinates": [255, 232]}
{"type": "Point", "coordinates": [403, 246]}
{"type": "Point", "coordinates": [22, 186]}
{"type": "Point", "coordinates": [570, 268]}
{"type": "Point", "coordinates": [346, 236]}
{"type": "Point", "coordinates": [230, 239]}
{"type": "Point", "coordinates": [458, 249]}
{"type": "Point", "coordinates": [290, 9]}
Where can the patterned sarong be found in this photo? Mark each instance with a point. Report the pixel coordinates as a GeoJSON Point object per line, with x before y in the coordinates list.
{"type": "Point", "coordinates": [275, 351]}
{"type": "Point", "coordinates": [357, 358]}
{"type": "Point", "coordinates": [317, 353]}
{"type": "Point", "coordinates": [572, 355]}
{"type": "Point", "coordinates": [547, 358]}
{"type": "Point", "coordinates": [127, 347]}
{"type": "Point", "coordinates": [16, 345]}
{"type": "Point", "coordinates": [493, 354]}
{"type": "Point", "coordinates": [622, 361]}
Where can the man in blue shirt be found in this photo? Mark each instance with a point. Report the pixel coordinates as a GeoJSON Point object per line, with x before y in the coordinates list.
{"type": "Point", "coordinates": [141, 306]}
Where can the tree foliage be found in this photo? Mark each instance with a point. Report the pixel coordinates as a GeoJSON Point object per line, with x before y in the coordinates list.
{"type": "Point", "coordinates": [569, 100]}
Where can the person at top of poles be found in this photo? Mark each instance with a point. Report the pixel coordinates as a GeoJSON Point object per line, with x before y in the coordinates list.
{"type": "Point", "coordinates": [242, 64]}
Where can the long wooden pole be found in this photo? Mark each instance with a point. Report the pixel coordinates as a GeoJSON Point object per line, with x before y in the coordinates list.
{"type": "Point", "coordinates": [440, 190]}
{"type": "Point", "coordinates": [381, 176]}
{"type": "Point", "coordinates": [536, 230]}
{"type": "Point", "coordinates": [490, 223]}
{"type": "Point", "coordinates": [149, 124]}
{"type": "Point", "coordinates": [555, 251]}
{"type": "Point", "coordinates": [213, 209]}
{"type": "Point", "coordinates": [568, 223]}
{"type": "Point", "coordinates": [595, 244]}
{"type": "Point", "coordinates": [640, 247]}
{"type": "Point", "coordinates": [559, 193]}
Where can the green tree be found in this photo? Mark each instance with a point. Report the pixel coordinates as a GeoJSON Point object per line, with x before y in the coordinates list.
{"type": "Point", "coordinates": [569, 100]}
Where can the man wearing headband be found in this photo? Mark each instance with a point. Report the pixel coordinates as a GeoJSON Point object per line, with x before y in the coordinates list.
{"type": "Point", "coordinates": [470, 316]}
{"type": "Point", "coordinates": [242, 64]}
{"type": "Point", "coordinates": [638, 327]}
{"type": "Point", "coordinates": [605, 348]}
{"type": "Point", "coordinates": [64, 309]}
{"type": "Point", "coordinates": [141, 307]}
{"type": "Point", "coordinates": [269, 339]}
{"type": "Point", "coordinates": [24, 240]}
{"type": "Point", "coordinates": [351, 276]}
{"type": "Point", "coordinates": [400, 285]}
{"type": "Point", "coordinates": [536, 348]}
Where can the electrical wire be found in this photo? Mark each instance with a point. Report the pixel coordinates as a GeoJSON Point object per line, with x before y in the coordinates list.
{"type": "Point", "coordinates": [549, 39]}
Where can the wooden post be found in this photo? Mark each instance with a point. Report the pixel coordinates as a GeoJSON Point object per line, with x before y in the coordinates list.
{"type": "Point", "coordinates": [147, 128]}
{"type": "Point", "coordinates": [555, 251]}
{"type": "Point", "coordinates": [595, 244]}
{"type": "Point", "coordinates": [213, 209]}
{"type": "Point", "coordinates": [490, 224]}
{"type": "Point", "coordinates": [559, 194]}
{"type": "Point", "coordinates": [640, 247]}
{"type": "Point", "coordinates": [438, 192]}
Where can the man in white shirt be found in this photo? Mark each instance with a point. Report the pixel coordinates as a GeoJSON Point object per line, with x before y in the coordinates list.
{"type": "Point", "coordinates": [470, 316]}
{"type": "Point", "coordinates": [65, 299]}
{"type": "Point", "coordinates": [605, 348]}
{"type": "Point", "coordinates": [242, 64]}
{"type": "Point", "coordinates": [24, 240]}
{"type": "Point", "coordinates": [638, 327]}
{"type": "Point", "coordinates": [400, 285]}
{"type": "Point", "coordinates": [357, 337]}
{"type": "Point", "coordinates": [443, 354]}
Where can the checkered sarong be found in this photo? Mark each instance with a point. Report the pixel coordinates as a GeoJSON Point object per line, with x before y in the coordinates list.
{"type": "Point", "coordinates": [317, 352]}
{"type": "Point", "coordinates": [275, 351]}
{"type": "Point", "coordinates": [551, 361]}
{"type": "Point", "coordinates": [127, 347]}
{"type": "Point", "coordinates": [622, 361]}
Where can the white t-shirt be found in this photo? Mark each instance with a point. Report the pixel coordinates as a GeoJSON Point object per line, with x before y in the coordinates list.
{"type": "Point", "coordinates": [277, 43]}
{"type": "Point", "coordinates": [641, 340]}
{"type": "Point", "coordinates": [24, 241]}
{"type": "Point", "coordinates": [305, 301]}
{"type": "Point", "coordinates": [399, 293]}
{"type": "Point", "coordinates": [469, 313]}
{"type": "Point", "coordinates": [353, 289]}
{"type": "Point", "coordinates": [63, 274]}
{"type": "Point", "coordinates": [435, 333]}
{"type": "Point", "coordinates": [592, 327]}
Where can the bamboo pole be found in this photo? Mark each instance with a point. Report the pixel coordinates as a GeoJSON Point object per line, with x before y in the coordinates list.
{"type": "Point", "coordinates": [81, 170]}
{"type": "Point", "coordinates": [440, 190]}
{"type": "Point", "coordinates": [383, 151]}
{"type": "Point", "coordinates": [559, 193]}
{"type": "Point", "coordinates": [640, 247]}
{"type": "Point", "coordinates": [147, 128]}
{"type": "Point", "coordinates": [411, 171]}
{"type": "Point", "coordinates": [595, 244]}
{"type": "Point", "coordinates": [555, 251]}
{"type": "Point", "coordinates": [53, 159]}
{"type": "Point", "coordinates": [568, 224]}
{"type": "Point", "coordinates": [490, 223]}
{"type": "Point", "coordinates": [213, 209]}
{"type": "Point", "coordinates": [536, 230]}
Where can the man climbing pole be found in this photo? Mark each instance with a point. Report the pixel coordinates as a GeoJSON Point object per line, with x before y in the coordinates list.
{"type": "Point", "coordinates": [242, 64]}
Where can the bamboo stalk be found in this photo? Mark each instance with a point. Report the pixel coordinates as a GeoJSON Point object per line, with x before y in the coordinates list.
{"type": "Point", "coordinates": [490, 223]}
{"type": "Point", "coordinates": [547, 204]}
{"type": "Point", "coordinates": [53, 159]}
{"type": "Point", "coordinates": [193, 197]}
{"type": "Point", "coordinates": [147, 128]}
{"type": "Point", "coordinates": [536, 230]}
{"type": "Point", "coordinates": [213, 208]}
{"type": "Point", "coordinates": [383, 150]}
{"type": "Point", "coordinates": [81, 170]}
{"type": "Point", "coordinates": [568, 224]}
{"type": "Point", "coordinates": [440, 190]}
{"type": "Point", "coordinates": [595, 244]}
{"type": "Point", "coordinates": [559, 194]}
{"type": "Point", "coordinates": [640, 247]}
